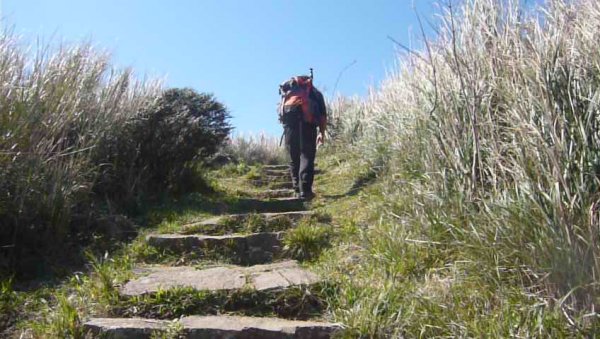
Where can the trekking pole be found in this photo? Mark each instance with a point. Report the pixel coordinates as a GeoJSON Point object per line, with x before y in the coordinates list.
{"type": "Point", "coordinates": [311, 74]}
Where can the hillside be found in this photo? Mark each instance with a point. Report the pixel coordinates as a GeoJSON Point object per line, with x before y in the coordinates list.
{"type": "Point", "coordinates": [363, 267]}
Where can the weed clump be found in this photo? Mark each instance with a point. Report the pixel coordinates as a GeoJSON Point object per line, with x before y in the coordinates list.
{"type": "Point", "coordinates": [10, 303]}
{"type": "Point", "coordinates": [306, 241]}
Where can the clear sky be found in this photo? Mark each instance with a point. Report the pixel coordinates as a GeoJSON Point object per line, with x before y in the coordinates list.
{"type": "Point", "coordinates": [239, 50]}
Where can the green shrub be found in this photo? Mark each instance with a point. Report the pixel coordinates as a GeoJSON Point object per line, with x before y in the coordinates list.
{"type": "Point", "coordinates": [157, 148]}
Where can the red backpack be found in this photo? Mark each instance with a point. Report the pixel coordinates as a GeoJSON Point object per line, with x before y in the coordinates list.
{"type": "Point", "coordinates": [296, 92]}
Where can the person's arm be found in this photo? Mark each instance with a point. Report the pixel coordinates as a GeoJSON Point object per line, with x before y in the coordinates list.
{"type": "Point", "coordinates": [323, 118]}
{"type": "Point", "coordinates": [321, 136]}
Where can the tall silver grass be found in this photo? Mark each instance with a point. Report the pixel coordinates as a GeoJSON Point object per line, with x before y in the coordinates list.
{"type": "Point", "coordinates": [55, 105]}
{"type": "Point", "coordinates": [256, 148]}
{"type": "Point", "coordinates": [500, 110]}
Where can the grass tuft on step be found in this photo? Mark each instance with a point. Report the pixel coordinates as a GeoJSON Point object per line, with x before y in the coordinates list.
{"type": "Point", "coordinates": [306, 241]}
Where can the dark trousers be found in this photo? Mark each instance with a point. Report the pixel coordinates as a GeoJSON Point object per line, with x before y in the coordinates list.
{"type": "Point", "coordinates": [301, 143]}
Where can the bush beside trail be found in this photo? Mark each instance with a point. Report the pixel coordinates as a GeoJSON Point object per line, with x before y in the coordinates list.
{"type": "Point", "coordinates": [159, 147]}
{"type": "Point", "coordinates": [80, 140]}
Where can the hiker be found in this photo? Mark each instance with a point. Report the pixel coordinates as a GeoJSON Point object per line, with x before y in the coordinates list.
{"type": "Point", "coordinates": [301, 111]}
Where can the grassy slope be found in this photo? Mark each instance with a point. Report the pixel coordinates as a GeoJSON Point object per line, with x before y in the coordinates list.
{"type": "Point", "coordinates": [391, 271]}
{"type": "Point", "coordinates": [398, 270]}
{"type": "Point", "coordinates": [483, 223]}
{"type": "Point", "coordinates": [484, 218]}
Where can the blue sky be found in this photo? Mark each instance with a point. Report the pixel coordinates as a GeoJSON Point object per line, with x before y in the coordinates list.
{"type": "Point", "coordinates": [238, 50]}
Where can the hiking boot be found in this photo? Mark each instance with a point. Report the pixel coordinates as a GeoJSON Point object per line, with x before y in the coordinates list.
{"type": "Point", "coordinates": [307, 196]}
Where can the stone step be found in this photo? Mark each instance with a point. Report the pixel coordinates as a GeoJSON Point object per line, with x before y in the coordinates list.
{"type": "Point", "coordinates": [281, 185]}
{"type": "Point", "coordinates": [271, 277]}
{"type": "Point", "coordinates": [272, 184]}
{"type": "Point", "coordinates": [271, 205]}
{"type": "Point", "coordinates": [292, 202]}
{"type": "Point", "coordinates": [277, 172]}
{"type": "Point", "coordinates": [280, 193]}
{"type": "Point", "coordinates": [282, 172]}
{"type": "Point", "coordinates": [278, 178]}
{"type": "Point", "coordinates": [270, 181]}
{"type": "Point", "coordinates": [245, 239]}
{"type": "Point", "coordinates": [248, 249]}
{"type": "Point", "coordinates": [288, 199]}
{"type": "Point", "coordinates": [217, 327]}
{"type": "Point", "coordinates": [125, 328]}
{"type": "Point", "coordinates": [251, 328]}
{"type": "Point", "coordinates": [235, 223]}
{"type": "Point", "coordinates": [276, 167]}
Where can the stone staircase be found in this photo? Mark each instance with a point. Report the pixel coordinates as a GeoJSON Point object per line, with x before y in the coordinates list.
{"type": "Point", "coordinates": [253, 244]}
{"type": "Point", "coordinates": [245, 239]}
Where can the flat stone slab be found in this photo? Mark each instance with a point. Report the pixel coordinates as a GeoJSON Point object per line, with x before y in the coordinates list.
{"type": "Point", "coordinates": [289, 199]}
{"type": "Point", "coordinates": [277, 172]}
{"type": "Point", "coordinates": [267, 179]}
{"type": "Point", "coordinates": [255, 328]}
{"type": "Point", "coordinates": [249, 249]}
{"type": "Point", "coordinates": [280, 193]}
{"type": "Point", "coordinates": [268, 183]}
{"type": "Point", "coordinates": [277, 176]}
{"type": "Point", "coordinates": [217, 327]}
{"type": "Point", "coordinates": [280, 168]}
{"type": "Point", "coordinates": [216, 221]}
{"type": "Point", "coordinates": [283, 171]}
{"type": "Point", "coordinates": [281, 185]}
{"type": "Point", "coordinates": [276, 167]}
{"type": "Point", "coordinates": [124, 328]}
{"type": "Point", "coordinates": [260, 277]}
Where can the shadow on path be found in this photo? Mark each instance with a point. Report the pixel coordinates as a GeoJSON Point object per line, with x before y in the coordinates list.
{"type": "Point", "coordinates": [360, 183]}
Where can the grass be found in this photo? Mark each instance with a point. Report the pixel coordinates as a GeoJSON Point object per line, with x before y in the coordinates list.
{"type": "Point", "coordinates": [306, 241]}
{"type": "Point", "coordinates": [470, 180]}
{"type": "Point", "coordinates": [174, 331]}
{"type": "Point", "coordinates": [398, 273]}
{"type": "Point", "coordinates": [255, 150]}
{"type": "Point", "coordinates": [254, 223]}
{"type": "Point", "coordinates": [65, 321]}
{"type": "Point", "coordinates": [59, 311]}
{"type": "Point", "coordinates": [291, 303]}
{"type": "Point", "coordinates": [10, 302]}
{"type": "Point", "coordinates": [47, 171]}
